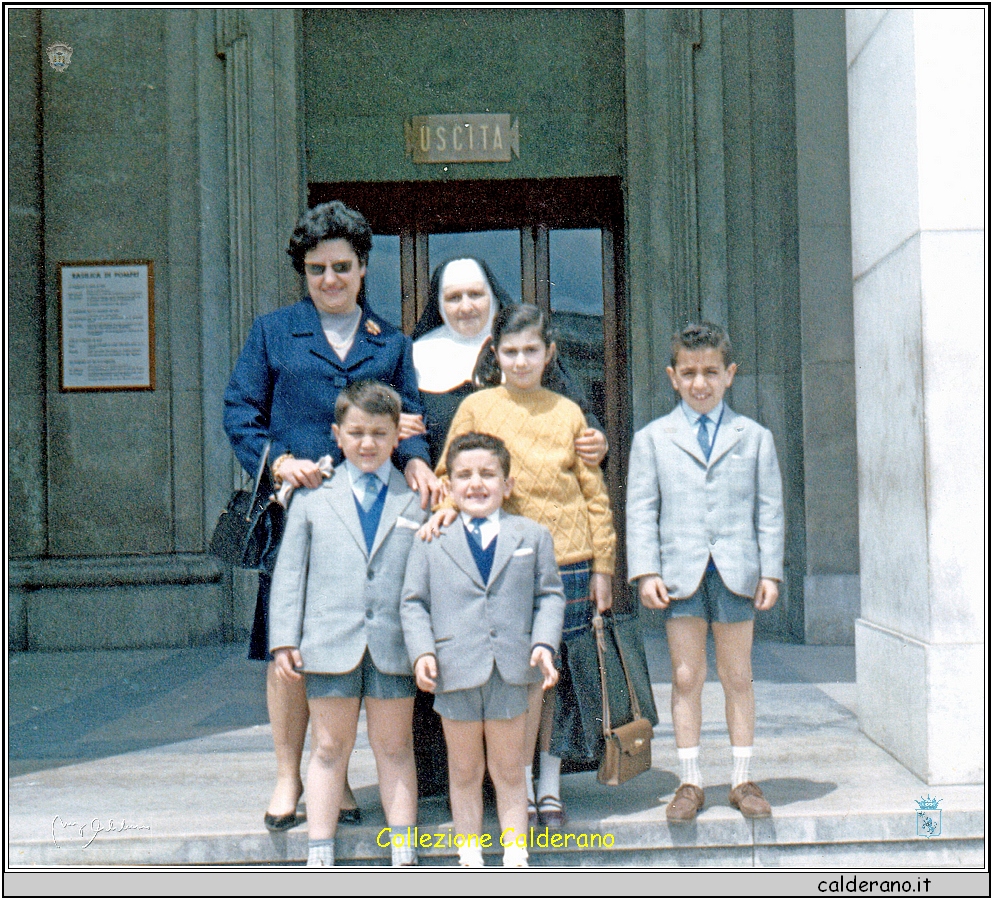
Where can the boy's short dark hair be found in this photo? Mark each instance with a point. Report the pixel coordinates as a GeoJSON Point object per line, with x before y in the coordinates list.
{"type": "Point", "coordinates": [475, 440]}
{"type": "Point", "coordinates": [698, 335]}
{"type": "Point", "coordinates": [372, 397]}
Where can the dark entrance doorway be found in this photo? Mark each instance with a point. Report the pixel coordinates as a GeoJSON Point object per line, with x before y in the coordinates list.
{"type": "Point", "coordinates": [558, 243]}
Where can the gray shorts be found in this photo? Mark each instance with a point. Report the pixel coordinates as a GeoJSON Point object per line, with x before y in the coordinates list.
{"type": "Point", "coordinates": [365, 680]}
{"type": "Point", "coordinates": [494, 700]}
{"type": "Point", "coordinates": [713, 602]}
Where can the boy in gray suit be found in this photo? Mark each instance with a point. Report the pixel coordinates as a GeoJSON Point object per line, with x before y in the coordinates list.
{"type": "Point", "coordinates": [335, 615]}
{"type": "Point", "coordinates": [482, 614]}
{"type": "Point", "coordinates": [705, 545]}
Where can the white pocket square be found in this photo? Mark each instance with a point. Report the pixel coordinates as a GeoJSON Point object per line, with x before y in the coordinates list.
{"type": "Point", "coordinates": [524, 551]}
{"type": "Point", "coordinates": [406, 523]}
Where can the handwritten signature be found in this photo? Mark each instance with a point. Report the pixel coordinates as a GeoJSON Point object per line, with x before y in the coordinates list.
{"type": "Point", "coordinates": [94, 827]}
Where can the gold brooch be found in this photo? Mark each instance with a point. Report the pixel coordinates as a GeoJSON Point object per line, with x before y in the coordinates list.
{"type": "Point", "coordinates": [372, 327]}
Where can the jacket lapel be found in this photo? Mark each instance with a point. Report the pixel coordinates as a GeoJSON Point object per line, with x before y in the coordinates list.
{"type": "Point", "coordinates": [508, 541]}
{"type": "Point", "coordinates": [398, 499]}
{"type": "Point", "coordinates": [727, 435]}
{"type": "Point", "coordinates": [308, 331]}
{"type": "Point", "coordinates": [455, 543]}
{"type": "Point", "coordinates": [683, 435]}
{"type": "Point", "coordinates": [309, 336]}
{"type": "Point", "coordinates": [341, 501]}
{"type": "Point", "coordinates": [364, 346]}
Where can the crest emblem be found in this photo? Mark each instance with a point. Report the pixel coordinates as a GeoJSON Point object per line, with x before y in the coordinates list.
{"type": "Point", "coordinates": [59, 55]}
{"type": "Point", "coordinates": [928, 817]}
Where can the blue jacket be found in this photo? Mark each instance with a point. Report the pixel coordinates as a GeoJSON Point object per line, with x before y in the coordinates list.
{"type": "Point", "coordinates": [287, 378]}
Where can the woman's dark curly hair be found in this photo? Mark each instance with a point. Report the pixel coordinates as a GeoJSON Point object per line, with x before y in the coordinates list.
{"type": "Point", "coordinates": [329, 222]}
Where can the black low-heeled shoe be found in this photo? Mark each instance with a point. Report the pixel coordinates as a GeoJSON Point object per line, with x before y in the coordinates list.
{"type": "Point", "coordinates": [283, 823]}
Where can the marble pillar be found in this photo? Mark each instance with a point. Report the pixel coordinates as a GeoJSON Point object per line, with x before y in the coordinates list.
{"type": "Point", "coordinates": [916, 137]}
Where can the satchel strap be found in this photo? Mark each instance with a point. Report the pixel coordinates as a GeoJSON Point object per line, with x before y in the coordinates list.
{"type": "Point", "coordinates": [598, 631]}
{"type": "Point", "coordinates": [262, 467]}
{"type": "Point", "coordinates": [262, 483]}
{"type": "Point", "coordinates": [600, 652]}
{"type": "Point", "coordinates": [635, 706]}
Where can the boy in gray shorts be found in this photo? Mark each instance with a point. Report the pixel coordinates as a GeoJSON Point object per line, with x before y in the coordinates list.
{"type": "Point", "coordinates": [482, 613]}
{"type": "Point", "coordinates": [705, 544]}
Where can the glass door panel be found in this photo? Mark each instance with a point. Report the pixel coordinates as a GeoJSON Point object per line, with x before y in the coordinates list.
{"type": "Point", "coordinates": [382, 279]}
{"type": "Point", "coordinates": [575, 269]}
{"type": "Point", "coordinates": [500, 249]}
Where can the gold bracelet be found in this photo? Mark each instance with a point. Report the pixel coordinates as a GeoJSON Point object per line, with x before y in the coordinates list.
{"type": "Point", "coordinates": [277, 479]}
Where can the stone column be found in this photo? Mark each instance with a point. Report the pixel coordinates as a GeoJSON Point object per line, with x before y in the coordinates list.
{"type": "Point", "coordinates": [916, 103]}
{"type": "Point", "coordinates": [831, 581]}
{"type": "Point", "coordinates": [662, 219]}
{"type": "Point", "coordinates": [265, 189]}
{"type": "Point", "coordinates": [27, 498]}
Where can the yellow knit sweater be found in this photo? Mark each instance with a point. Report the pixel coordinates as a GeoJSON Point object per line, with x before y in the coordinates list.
{"type": "Point", "coordinates": [552, 485]}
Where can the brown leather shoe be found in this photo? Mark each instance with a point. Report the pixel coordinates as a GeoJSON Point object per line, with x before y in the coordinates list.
{"type": "Point", "coordinates": [748, 798]}
{"type": "Point", "coordinates": [686, 804]}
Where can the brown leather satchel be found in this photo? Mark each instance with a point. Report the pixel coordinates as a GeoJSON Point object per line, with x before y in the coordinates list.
{"type": "Point", "coordinates": [627, 748]}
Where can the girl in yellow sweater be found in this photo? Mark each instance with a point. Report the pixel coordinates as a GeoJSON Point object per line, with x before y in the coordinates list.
{"type": "Point", "coordinates": [555, 488]}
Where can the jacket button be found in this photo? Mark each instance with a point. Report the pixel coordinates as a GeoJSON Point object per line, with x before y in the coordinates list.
{"type": "Point", "coordinates": [368, 613]}
{"type": "Point", "coordinates": [369, 575]}
{"type": "Point", "coordinates": [492, 632]}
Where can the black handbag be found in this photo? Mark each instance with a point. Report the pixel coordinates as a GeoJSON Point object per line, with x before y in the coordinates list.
{"type": "Point", "coordinates": [577, 738]}
{"type": "Point", "coordinates": [251, 525]}
{"type": "Point", "coordinates": [627, 748]}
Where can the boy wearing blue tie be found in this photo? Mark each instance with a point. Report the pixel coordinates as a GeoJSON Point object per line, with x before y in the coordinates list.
{"type": "Point", "coordinates": [482, 615]}
{"type": "Point", "coordinates": [335, 615]}
{"type": "Point", "coordinates": [705, 545]}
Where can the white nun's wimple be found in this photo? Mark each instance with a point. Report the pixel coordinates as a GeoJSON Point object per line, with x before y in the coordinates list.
{"type": "Point", "coordinates": [443, 358]}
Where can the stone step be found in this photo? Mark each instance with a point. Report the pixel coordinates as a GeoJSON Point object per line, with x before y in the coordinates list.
{"type": "Point", "coordinates": [165, 758]}
{"type": "Point", "coordinates": [864, 840]}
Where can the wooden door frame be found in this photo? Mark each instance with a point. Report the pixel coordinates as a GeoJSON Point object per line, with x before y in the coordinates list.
{"type": "Point", "coordinates": [415, 209]}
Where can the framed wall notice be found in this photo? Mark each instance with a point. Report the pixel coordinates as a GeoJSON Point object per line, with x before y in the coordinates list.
{"type": "Point", "coordinates": [107, 322]}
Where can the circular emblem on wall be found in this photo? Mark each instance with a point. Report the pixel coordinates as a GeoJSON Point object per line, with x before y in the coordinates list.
{"type": "Point", "coordinates": [59, 55]}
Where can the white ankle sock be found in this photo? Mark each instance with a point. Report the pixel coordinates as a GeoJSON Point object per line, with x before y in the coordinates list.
{"type": "Point", "coordinates": [529, 781]}
{"type": "Point", "coordinates": [689, 762]}
{"type": "Point", "coordinates": [404, 855]}
{"type": "Point", "coordinates": [548, 778]}
{"type": "Point", "coordinates": [471, 856]}
{"type": "Point", "coordinates": [320, 852]}
{"type": "Point", "coordinates": [515, 857]}
{"type": "Point", "coordinates": [740, 758]}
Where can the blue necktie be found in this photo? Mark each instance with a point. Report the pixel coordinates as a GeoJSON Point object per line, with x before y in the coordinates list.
{"type": "Point", "coordinates": [476, 530]}
{"type": "Point", "coordinates": [371, 486]}
{"type": "Point", "coordinates": [703, 439]}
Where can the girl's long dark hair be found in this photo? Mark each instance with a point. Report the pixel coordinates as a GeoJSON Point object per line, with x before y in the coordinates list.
{"type": "Point", "coordinates": [513, 319]}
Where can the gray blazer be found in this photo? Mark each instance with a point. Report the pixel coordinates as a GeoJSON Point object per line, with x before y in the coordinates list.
{"type": "Point", "coordinates": [330, 597]}
{"type": "Point", "coordinates": [681, 509]}
{"type": "Point", "coordinates": [447, 610]}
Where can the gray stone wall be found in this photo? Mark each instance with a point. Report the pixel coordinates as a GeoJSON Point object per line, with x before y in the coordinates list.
{"type": "Point", "coordinates": [26, 472]}
{"type": "Point", "coordinates": [105, 198]}
{"type": "Point", "coordinates": [831, 585]}
{"type": "Point", "coordinates": [557, 71]}
{"type": "Point", "coordinates": [712, 213]}
{"type": "Point", "coordinates": [117, 491]}
{"type": "Point", "coordinates": [26, 459]}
